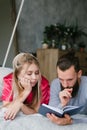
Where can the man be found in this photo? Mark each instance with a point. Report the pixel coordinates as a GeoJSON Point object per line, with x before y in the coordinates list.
{"type": "Point", "coordinates": [70, 88]}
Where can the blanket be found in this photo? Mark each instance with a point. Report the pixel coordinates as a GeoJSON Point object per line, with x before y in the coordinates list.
{"type": "Point", "coordinates": [39, 122]}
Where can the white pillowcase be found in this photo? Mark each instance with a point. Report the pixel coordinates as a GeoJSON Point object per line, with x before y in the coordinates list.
{"type": "Point", "coordinates": [3, 72]}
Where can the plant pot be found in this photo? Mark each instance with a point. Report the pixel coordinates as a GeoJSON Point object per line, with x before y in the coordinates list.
{"type": "Point", "coordinates": [44, 46]}
{"type": "Point", "coordinates": [63, 47]}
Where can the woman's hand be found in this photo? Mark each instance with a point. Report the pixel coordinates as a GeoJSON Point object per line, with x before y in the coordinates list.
{"type": "Point", "coordinates": [65, 96]}
{"type": "Point", "coordinates": [12, 110]}
{"type": "Point", "coordinates": [25, 83]}
{"type": "Point", "coordinates": [66, 120]}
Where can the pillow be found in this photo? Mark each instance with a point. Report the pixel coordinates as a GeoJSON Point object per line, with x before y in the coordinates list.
{"type": "Point", "coordinates": [3, 72]}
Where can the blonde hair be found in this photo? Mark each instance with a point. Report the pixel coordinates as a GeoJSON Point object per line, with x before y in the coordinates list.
{"type": "Point", "coordinates": [18, 63]}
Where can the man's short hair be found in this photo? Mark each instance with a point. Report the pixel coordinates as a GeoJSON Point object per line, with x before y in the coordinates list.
{"type": "Point", "coordinates": [67, 60]}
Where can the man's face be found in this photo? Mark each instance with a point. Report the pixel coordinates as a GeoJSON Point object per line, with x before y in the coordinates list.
{"type": "Point", "coordinates": [69, 78]}
{"type": "Point", "coordinates": [75, 88]}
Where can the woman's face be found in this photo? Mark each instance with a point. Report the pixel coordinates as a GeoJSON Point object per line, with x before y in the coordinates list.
{"type": "Point", "coordinates": [30, 73]}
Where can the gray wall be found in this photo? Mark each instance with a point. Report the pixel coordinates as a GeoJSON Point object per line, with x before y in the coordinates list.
{"type": "Point", "coordinates": [36, 14]}
{"type": "Point", "coordinates": [5, 32]}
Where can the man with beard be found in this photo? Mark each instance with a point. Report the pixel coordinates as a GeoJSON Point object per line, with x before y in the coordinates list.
{"type": "Point", "coordinates": [70, 88]}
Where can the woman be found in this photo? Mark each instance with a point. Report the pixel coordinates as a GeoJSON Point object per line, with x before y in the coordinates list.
{"type": "Point", "coordinates": [25, 89]}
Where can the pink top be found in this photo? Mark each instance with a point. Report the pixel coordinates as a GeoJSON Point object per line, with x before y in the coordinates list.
{"type": "Point", "coordinates": [7, 90]}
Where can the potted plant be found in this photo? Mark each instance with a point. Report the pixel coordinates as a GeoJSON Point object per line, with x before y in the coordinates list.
{"type": "Point", "coordinates": [63, 32]}
{"type": "Point", "coordinates": [45, 43]}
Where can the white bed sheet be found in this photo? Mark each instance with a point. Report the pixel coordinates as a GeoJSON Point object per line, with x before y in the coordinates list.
{"type": "Point", "coordinates": [39, 122]}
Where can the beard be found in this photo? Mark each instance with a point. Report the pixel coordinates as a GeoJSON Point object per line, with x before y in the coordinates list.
{"type": "Point", "coordinates": [75, 88]}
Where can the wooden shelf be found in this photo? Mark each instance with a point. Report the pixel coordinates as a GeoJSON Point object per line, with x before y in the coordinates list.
{"type": "Point", "coordinates": [48, 59]}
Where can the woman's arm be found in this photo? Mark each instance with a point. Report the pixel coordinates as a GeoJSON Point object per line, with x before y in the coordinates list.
{"type": "Point", "coordinates": [28, 110]}
{"type": "Point", "coordinates": [12, 109]}
{"type": "Point", "coordinates": [15, 106]}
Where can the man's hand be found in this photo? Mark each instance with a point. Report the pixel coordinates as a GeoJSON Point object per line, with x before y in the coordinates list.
{"type": "Point", "coordinates": [65, 96]}
{"type": "Point", "coordinates": [66, 120]}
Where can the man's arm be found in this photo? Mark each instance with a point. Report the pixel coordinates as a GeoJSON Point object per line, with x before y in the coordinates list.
{"type": "Point", "coordinates": [54, 96]}
{"type": "Point", "coordinates": [66, 120]}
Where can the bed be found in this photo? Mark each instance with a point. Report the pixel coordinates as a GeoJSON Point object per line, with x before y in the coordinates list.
{"type": "Point", "coordinates": [35, 121]}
